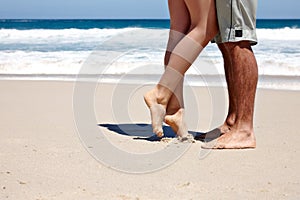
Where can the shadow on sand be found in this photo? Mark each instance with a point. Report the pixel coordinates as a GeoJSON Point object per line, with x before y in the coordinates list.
{"type": "Point", "coordinates": [144, 132]}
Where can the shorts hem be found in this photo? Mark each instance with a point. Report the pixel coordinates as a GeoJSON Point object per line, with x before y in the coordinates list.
{"type": "Point", "coordinates": [230, 36]}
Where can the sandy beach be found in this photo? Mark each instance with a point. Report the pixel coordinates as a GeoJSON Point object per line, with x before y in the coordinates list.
{"type": "Point", "coordinates": [42, 157]}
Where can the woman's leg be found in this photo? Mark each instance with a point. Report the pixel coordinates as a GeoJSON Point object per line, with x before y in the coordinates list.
{"type": "Point", "coordinates": [203, 29]}
{"type": "Point", "coordinates": [179, 26]}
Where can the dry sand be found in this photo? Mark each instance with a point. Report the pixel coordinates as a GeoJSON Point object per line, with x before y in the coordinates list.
{"type": "Point", "coordinates": [42, 157]}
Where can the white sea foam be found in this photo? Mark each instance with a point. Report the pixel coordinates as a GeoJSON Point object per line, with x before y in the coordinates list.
{"type": "Point", "coordinates": [22, 62]}
{"type": "Point", "coordinates": [65, 51]}
{"type": "Point", "coordinates": [34, 36]}
{"type": "Point", "coordinates": [48, 36]}
{"type": "Point", "coordinates": [279, 34]}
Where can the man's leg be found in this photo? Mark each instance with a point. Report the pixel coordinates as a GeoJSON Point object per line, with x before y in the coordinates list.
{"type": "Point", "coordinates": [241, 76]}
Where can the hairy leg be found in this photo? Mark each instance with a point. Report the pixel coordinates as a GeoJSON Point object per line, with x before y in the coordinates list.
{"type": "Point", "coordinates": [229, 74]}
{"type": "Point", "coordinates": [241, 76]}
{"type": "Point", "coordinates": [203, 29]}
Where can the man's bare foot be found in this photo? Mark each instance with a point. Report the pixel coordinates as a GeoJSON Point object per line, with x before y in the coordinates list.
{"type": "Point", "coordinates": [224, 128]}
{"type": "Point", "coordinates": [157, 111]}
{"type": "Point", "coordinates": [232, 139]}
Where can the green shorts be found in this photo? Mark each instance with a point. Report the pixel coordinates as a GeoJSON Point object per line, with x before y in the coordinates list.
{"type": "Point", "coordinates": [237, 21]}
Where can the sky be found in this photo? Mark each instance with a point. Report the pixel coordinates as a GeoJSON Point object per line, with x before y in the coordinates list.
{"type": "Point", "coordinates": [122, 9]}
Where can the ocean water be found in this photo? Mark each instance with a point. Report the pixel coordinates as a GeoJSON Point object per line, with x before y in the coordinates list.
{"type": "Point", "coordinates": [60, 49]}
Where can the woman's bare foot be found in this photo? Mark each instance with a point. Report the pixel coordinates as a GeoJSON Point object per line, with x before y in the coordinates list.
{"type": "Point", "coordinates": [157, 111]}
{"type": "Point", "coordinates": [178, 125]}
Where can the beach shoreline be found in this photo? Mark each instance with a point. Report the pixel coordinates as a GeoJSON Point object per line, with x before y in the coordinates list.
{"type": "Point", "coordinates": [269, 82]}
{"type": "Point", "coordinates": [42, 156]}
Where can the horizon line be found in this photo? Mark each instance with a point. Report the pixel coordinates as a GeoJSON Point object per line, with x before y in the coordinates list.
{"type": "Point", "coordinates": [124, 18]}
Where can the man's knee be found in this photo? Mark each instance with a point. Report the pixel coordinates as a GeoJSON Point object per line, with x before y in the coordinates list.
{"type": "Point", "coordinates": [231, 47]}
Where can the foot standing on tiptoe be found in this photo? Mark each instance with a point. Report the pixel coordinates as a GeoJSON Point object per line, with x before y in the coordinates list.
{"type": "Point", "coordinates": [193, 25]}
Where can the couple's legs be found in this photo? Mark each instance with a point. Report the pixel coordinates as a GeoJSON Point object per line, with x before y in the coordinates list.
{"type": "Point", "coordinates": [240, 68]}
{"type": "Point", "coordinates": [241, 76]}
{"type": "Point", "coordinates": [194, 24]}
